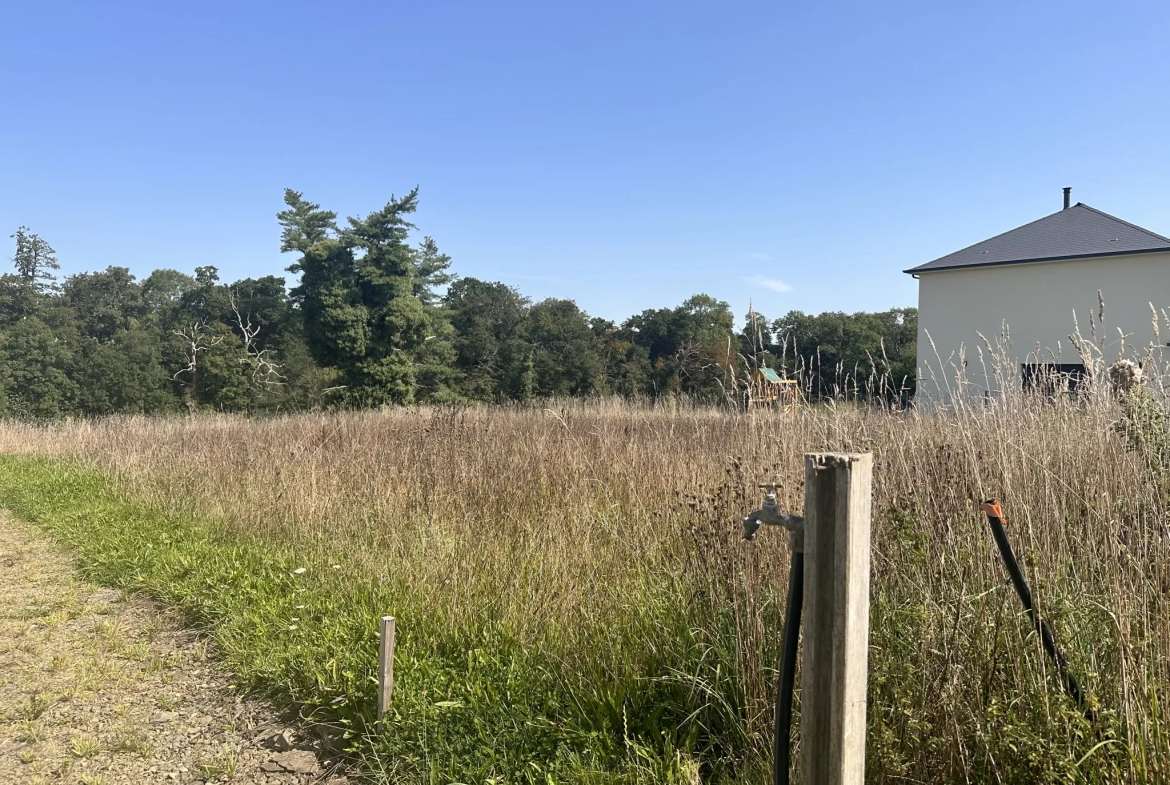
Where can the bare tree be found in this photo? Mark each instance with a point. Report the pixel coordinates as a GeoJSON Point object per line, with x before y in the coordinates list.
{"type": "Point", "coordinates": [265, 373]}
{"type": "Point", "coordinates": [196, 339]}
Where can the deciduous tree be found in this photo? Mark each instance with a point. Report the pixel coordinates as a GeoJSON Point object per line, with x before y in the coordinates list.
{"type": "Point", "coordinates": [38, 371]}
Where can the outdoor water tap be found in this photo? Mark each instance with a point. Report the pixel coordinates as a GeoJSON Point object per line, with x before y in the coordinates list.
{"type": "Point", "coordinates": [769, 514]}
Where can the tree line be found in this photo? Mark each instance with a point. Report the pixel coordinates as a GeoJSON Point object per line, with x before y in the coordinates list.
{"type": "Point", "coordinates": [376, 319]}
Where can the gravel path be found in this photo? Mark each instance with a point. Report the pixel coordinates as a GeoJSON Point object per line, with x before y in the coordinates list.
{"type": "Point", "coordinates": [101, 689]}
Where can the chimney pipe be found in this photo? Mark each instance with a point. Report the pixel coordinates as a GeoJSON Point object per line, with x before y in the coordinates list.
{"type": "Point", "coordinates": [1067, 197]}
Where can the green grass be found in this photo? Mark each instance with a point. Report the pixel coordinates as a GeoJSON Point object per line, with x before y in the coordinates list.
{"type": "Point", "coordinates": [470, 705]}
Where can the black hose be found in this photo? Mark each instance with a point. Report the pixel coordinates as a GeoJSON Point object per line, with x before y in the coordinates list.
{"type": "Point", "coordinates": [782, 743]}
{"type": "Point", "coordinates": [1071, 685]}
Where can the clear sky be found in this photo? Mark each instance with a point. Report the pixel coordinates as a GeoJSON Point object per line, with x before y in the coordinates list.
{"type": "Point", "coordinates": [622, 154]}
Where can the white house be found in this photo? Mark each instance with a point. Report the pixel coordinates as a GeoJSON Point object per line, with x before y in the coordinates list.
{"type": "Point", "coordinates": [1018, 302]}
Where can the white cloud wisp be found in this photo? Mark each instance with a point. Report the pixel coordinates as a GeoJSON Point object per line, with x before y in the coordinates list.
{"type": "Point", "coordinates": [775, 284]}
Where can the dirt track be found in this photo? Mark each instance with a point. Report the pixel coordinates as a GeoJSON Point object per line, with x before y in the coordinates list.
{"type": "Point", "coordinates": [100, 689]}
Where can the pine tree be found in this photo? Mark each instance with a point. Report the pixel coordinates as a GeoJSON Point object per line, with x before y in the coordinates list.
{"type": "Point", "coordinates": [35, 260]}
{"type": "Point", "coordinates": [367, 297]}
{"type": "Point", "coordinates": [303, 223]}
{"type": "Point", "coordinates": [430, 271]}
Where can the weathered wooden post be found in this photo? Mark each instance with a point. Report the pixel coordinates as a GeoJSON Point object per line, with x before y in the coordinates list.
{"type": "Point", "coordinates": [836, 628]}
{"type": "Point", "coordinates": [385, 666]}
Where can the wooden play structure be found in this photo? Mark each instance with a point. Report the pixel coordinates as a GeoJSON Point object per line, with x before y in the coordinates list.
{"type": "Point", "coordinates": [765, 389]}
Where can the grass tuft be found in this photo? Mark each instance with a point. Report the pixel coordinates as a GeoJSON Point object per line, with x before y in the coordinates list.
{"type": "Point", "coordinates": [84, 746]}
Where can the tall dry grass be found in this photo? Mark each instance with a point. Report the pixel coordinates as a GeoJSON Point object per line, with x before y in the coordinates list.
{"type": "Point", "coordinates": [598, 534]}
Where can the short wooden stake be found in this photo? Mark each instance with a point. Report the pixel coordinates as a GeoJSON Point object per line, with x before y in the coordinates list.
{"type": "Point", "coordinates": [836, 629]}
{"type": "Point", "coordinates": [385, 667]}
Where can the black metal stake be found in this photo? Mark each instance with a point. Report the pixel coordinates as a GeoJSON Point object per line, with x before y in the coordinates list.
{"type": "Point", "coordinates": [782, 741]}
{"type": "Point", "coordinates": [1071, 685]}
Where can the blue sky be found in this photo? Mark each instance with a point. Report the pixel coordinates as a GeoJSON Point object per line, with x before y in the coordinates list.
{"type": "Point", "coordinates": [625, 155]}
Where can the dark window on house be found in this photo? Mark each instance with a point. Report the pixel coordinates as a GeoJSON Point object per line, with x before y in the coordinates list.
{"type": "Point", "coordinates": [1052, 378]}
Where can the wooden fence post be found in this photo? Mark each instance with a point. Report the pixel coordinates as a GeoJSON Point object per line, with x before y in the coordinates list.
{"type": "Point", "coordinates": [385, 666]}
{"type": "Point", "coordinates": [836, 629]}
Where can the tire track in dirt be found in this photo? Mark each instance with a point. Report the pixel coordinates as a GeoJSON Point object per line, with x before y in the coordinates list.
{"type": "Point", "coordinates": [101, 689]}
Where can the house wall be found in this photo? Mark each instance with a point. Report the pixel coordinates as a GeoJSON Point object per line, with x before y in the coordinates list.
{"type": "Point", "coordinates": [1019, 307]}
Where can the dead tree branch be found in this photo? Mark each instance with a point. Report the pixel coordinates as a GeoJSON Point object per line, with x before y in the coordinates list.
{"type": "Point", "coordinates": [196, 340]}
{"type": "Point", "coordinates": [265, 372]}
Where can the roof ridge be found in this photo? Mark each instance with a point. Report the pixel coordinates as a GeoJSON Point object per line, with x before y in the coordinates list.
{"type": "Point", "coordinates": [1122, 221]}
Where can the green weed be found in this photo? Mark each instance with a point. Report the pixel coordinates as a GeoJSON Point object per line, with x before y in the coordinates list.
{"type": "Point", "coordinates": [84, 746]}
{"type": "Point", "coordinates": [131, 741]}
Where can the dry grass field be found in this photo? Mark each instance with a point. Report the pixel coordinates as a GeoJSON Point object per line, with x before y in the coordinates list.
{"type": "Point", "coordinates": [576, 602]}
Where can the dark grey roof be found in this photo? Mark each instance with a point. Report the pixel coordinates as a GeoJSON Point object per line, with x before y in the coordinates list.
{"type": "Point", "coordinates": [1074, 233]}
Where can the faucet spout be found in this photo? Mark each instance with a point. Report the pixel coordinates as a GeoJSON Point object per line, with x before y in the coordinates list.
{"type": "Point", "coordinates": [769, 514]}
